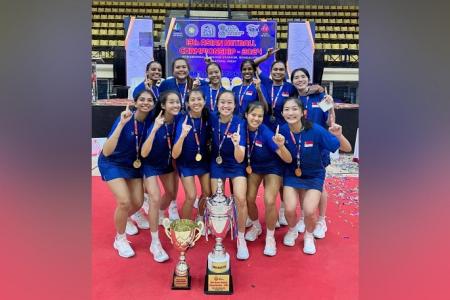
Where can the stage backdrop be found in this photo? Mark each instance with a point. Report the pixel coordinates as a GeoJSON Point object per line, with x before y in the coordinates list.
{"type": "Point", "coordinates": [300, 46]}
{"type": "Point", "coordinates": [139, 49]}
{"type": "Point", "coordinates": [226, 42]}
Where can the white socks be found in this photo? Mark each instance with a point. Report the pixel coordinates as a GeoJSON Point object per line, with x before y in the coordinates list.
{"type": "Point", "coordinates": [155, 237]}
{"type": "Point", "coordinates": [270, 233]}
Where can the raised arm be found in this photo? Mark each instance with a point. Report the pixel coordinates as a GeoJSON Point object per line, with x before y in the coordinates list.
{"type": "Point", "coordinates": [261, 97]}
{"type": "Point", "coordinates": [111, 143]}
{"type": "Point", "coordinates": [178, 147]}
{"type": "Point", "coordinates": [239, 151]}
{"type": "Point", "coordinates": [266, 56]}
{"type": "Point", "coordinates": [148, 144]}
{"type": "Point", "coordinates": [282, 151]}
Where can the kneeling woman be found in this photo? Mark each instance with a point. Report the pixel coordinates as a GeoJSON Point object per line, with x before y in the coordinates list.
{"type": "Point", "coordinates": [304, 177]}
{"type": "Point", "coordinates": [227, 159]}
{"type": "Point", "coordinates": [264, 150]}
{"type": "Point", "coordinates": [190, 151]}
{"type": "Point", "coordinates": [119, 166]}
{"type": "Point", "coordinates": [157, 153]}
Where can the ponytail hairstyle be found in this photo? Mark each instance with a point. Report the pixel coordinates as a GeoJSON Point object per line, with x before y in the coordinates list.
{"type": "Point", "coordinates": [162, 101]}
{"type": "Point", "coordinates": [205, 112]}
{"type": "Point", "coordinates": [307, 124]}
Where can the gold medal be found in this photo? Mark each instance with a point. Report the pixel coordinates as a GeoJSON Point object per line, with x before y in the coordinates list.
{"type": "Point", "coordinates": [198, 157]}
{"type": "Point", "coordinates": [219, 160]}
{"type": "Point", "coordinates": [249, 170]}
{"type": "Point", "coordinates": [298, 172]}
{"type": "Point", "coordinates": [137, 163]}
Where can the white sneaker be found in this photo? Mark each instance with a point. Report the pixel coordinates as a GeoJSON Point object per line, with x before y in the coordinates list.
{"type": "Point", "coordinates": [271, 247]}
{"type": "Point", "coordinates": [141, 221]}
{"type": "Point", "coordinates": [131, 229]}
{"type": "Point", "coordinates": [281, 218]}
{"type": "Point", "coordinates": [277, 224]}
{"type": "Point", "coordinates": [196, 203]}
{"type": "Point", "coordinates": [173, 211]}
{"type": "Point", "coordinates": [248, 223]}
{"type": "Point", "coordinates": [123, 246]}
{"type": "Point", "coordinates": [290, 237]}
{"type": "Point", "coordinates": [158, 252]}
{"type": "Point", "coordinates": [242, 250]}
{"type": "Point", "coordinates": [146, 204]}
{"type": "Point", "coordinates": [253, 233]}
{"type": "Point", "coordinates": [301, 225]}
{"type": "Point", "coordinates": [309, 247]}
{"type": "Point", "coordinates": [320, 229]}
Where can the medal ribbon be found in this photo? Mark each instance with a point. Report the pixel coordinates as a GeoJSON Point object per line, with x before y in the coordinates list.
{"type": "Point", "coordinates": [169, 140]}
{"type": "Point", "coordinates": [155, 92]}
{"type": "Point", "coordinates": [197, 139]}
{"type": "Point", "coordinates": [250, 149]}
{"type": "Point", "coordinates": [241, 96]}
{"type": "Point", "coordinates": [212, 103]}
{"type": "Point", "coordinates": [225, 134]}
{"type": "Point", "coordinates": [183, 95]}
{"type": "Point", "coordinates": [298, 146]}
{"type": "Point", "coordinates": [137, 137]}
{"type": "Point", "coordinates": [274, 100]}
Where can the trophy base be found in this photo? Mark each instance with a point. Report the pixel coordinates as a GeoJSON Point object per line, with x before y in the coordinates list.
{"type": "Point", "coordinates": [181, 282]}
{"type": "Point", "coordinates": [218, 283]}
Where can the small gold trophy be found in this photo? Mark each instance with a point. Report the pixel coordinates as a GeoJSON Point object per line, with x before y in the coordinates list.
{"type": "Point", "coordinates": [183, 234]}
{"type": "Point", "coordinates": [220, 215]}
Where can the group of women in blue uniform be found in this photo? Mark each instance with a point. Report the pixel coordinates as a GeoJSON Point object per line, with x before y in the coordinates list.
{"type": "Point", "coordinates": [265, 130]}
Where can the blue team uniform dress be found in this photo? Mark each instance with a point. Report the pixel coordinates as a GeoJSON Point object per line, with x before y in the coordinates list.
{"type": "Point", "coordinates": [120, 163]}
{"type": "Point", "coordinates": [141, 86]}
{"type": "Point", "coordinates": [313, 141]}
{"type": "Point", "coordinates": [316, 115]}
{"type": "Point", "coordinates": [171, 84]}
{"type": "Point", "coordinates": [278, 95]}
{"type": "Point", "coordinates": [229, 168]}
{"type": "Point", "coordinates": [264, 159]}
{"type": "Point", "coordinates": [211, 96]}
{"type": "Point", "coordinates": [186, 163]}
{"type": "Point", "coordinates": [159, 160]}
{"type": "Point", "coordinates": [245, 95]}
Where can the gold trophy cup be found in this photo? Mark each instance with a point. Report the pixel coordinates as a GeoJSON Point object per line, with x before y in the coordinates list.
{"type": "Point", "coordinates": [183, 234]}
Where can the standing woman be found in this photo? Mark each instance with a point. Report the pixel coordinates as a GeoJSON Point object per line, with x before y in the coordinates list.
{"type": "Point", "coordinates": [251, 89]}
{"type": "Point", "coordinates": [227, 159]}
{"type": "Point", "coordinates": [214, 88]}
{"type": "Point", "coordinates": [264, 150]}
{"type": "Point", "coordinates": [119, 165]}
{"type": "Point", "coordinates": [153, 73]}
{"type": "Point", "coordinates": [304, 177]}
{"type": "Point", "coordinates": [181, 82]}
{"type": "Point", "coordinates": [157, 154]}
{"type": "Point", "coordinates": [190, 150]}
{"type": "Point", "coordinates": [301, 79]}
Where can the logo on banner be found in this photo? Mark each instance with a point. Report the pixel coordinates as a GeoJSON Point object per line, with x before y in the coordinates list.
{"type": "Point", "coordinates": [177, 27]}
{"type": "Point", "coordinates": [252, 30]}
{"type": "Point", "coordinates": [229, 30]}
{"type": "Point", "coordinates": [191, 30]}
{"type": "Point", "coordinates": [265, 28]}
{"type": "Point", "coordinates": [208, 30]}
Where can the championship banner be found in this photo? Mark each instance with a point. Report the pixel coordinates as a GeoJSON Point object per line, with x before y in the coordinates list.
{"type": "Point", "coordinates": [139, 50]}
{"type": "Point", "coordinates": [300, 46]}
{"type": "Point", "coordinates": [227, 42]}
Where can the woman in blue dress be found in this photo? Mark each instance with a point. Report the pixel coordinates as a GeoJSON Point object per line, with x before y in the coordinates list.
{"type": "Point", "coordinates": [157, 154]}
{"type": "Point", "coordinates": [310, 100]}
{"type": "Point", "coordinates": [153, 73]}
{"type": "Point", "coordinates": [227, 159]}
{"type": "Point", "coordinates": [191, 152]}
{"type": "Point", "coordinates": [265, 155]}
{"type": "Point", "coordinates": [120, 166]}
{"type": "Point", "coordinates": [251, 88]}
{"type": "Point", "coordinates": [181, 82]}
{"type": "Point", "coordinates": [304, 177]}
{"type": "Point", "coordinates": [212, 90]}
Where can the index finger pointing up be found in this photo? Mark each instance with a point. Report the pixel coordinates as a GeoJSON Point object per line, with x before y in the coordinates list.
{"type": "Point", "coordinates": [185, 120]}
{"type": "Point", "coordinates": [239, 128]}
{"type": "Point", "coordinates": [278, 129]}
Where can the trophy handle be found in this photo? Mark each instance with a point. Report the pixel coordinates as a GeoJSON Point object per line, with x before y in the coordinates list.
{"type": "Point", "coordinates": [166, 224]}
{"type": "Point", "coordinates": [199, 229]}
